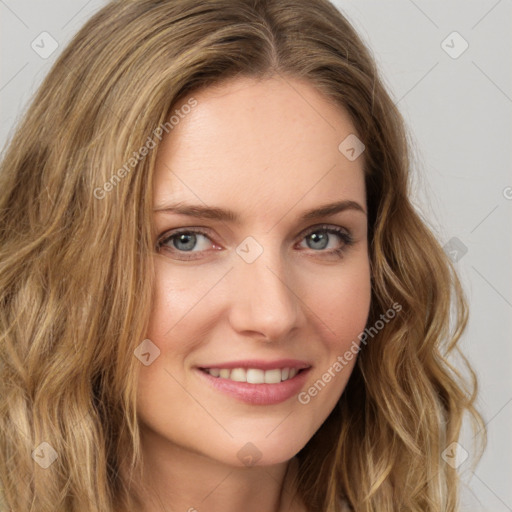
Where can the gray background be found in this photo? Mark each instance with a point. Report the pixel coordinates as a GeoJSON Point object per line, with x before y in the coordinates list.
{"type": "Point", "coordinates": [458, 109]}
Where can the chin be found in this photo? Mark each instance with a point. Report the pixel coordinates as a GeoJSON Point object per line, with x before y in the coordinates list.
{"type": "Point", "coordinates": [263, 451]}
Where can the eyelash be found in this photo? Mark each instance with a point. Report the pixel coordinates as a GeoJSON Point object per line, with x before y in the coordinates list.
{"type": "Point", "coordinates": [342, 233]}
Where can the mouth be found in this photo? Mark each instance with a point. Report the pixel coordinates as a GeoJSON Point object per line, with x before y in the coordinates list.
{"type": "Point", "coordinates": [257, 382]}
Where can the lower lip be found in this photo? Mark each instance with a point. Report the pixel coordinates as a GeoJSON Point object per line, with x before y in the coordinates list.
{"type": "Point", "coordinates": [258, 394]}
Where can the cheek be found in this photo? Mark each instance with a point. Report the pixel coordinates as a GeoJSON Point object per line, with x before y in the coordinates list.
{"type": "Point", "coordinates": [178, 296]}
{"type": "Point", "coordinates": [342, 315]}
{"type": "Point", "coordinates": [342, 304]}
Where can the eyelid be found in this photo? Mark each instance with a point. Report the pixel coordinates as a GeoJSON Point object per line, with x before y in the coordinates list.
{"type": "Point", "coordinates": [316, 227]}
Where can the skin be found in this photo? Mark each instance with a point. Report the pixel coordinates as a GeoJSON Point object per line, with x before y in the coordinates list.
{"type": "Point", "coordinates": [267, 150]}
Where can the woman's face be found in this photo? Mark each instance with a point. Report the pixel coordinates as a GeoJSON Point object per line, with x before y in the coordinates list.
{"type": "Point", "coordinates": [254, 309]}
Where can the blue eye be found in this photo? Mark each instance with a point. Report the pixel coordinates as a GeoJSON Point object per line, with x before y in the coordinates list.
{"type": "Point", "coordinates": [195, 241]}
{"type": "Point", "coordinates": [319, 238]}
{"type": "Point", "coordinates": [185, 241]}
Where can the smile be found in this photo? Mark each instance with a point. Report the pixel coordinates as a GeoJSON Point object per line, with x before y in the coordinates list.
{"type": "Point", "coordinates": [257, 382]}
{"type": "Point", "coordinates": [253, 375]}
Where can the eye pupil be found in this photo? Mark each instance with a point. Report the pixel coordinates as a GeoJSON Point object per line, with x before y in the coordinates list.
{"type": "Point", "coordinates": [188, 239]}
{"type": "Point", "coordinates": [320, 238]}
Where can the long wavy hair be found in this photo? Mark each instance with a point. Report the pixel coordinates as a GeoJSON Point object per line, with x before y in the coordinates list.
{"type": "Point", "coordinates": [76, 271]}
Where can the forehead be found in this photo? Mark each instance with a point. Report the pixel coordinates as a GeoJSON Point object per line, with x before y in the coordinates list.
{"type": "Point", "coordinates": [258, 144]}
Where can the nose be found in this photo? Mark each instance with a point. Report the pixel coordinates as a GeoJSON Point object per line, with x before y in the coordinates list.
{"type": "Point", "coordinates": [263, 299]}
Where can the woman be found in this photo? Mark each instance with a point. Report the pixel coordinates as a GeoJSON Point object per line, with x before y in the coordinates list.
{"type": "Point", "coordinates": [216, 293]}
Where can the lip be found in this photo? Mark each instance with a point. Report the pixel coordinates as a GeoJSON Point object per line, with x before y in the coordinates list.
{"type": "Point", "coordinates": [257, 394]}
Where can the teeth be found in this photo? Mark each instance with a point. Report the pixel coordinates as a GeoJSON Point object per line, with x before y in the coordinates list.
{"type": "Point", "coordinates": [272, 376]}
{"type": "Point", "coordinates": [238, 375]}
{"type": "Point", "coordinates": [254, 375]}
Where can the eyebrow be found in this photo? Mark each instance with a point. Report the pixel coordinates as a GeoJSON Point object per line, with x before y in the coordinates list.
{"type": "Point", "coordinates": [221, 214]}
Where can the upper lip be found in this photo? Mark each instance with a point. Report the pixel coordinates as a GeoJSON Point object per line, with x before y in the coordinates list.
{"type": "Point", "coordinates": [260, 364]}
